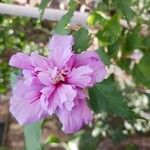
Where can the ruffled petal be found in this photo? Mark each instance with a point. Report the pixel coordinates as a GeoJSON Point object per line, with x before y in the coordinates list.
{"type": "Point", "coordinates": [53, 97]}
{"type": "Point", "coordinates": [25, 103]}
{"type": "Point", "coordinates": [49, 100]}
{"type": "Point", "coordinates": [30, 77]}
{"type": "Point", "coordinates": [80, 76]}
{"type": "Point", "coordinates": [60, 49]}
{"type": "Point", "coordinates": [75, 119]}
{"type": "Point", "coordinates": [21, 89]}
{"type": "Point", "coordinates": [21, 61]}
{"type": "Point", "coordinates": [44, 78]}
{"type": "Point", "coordinates": [93, 60]}
{"type": "Point", "coordinates": [67, 95]}
{"type": "Point", "coordinates": [39, 62]}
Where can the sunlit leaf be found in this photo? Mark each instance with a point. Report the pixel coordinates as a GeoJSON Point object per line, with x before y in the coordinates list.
{"type": "Point", "coordinates": [111, 32]}
{"type": "Point", "coordinates": [52, 139]}
{"type": "Point", "coordinates": [97, 18]}
{"type": "Point", "coordinates": [61, 25]}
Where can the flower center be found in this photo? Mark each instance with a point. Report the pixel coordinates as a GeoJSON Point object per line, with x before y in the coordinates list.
{"type": "Point", "coordinates": [60, 77]}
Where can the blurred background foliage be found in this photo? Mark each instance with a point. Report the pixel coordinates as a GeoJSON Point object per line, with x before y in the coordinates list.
{"type": "Point", "coordinates": [120, 32]}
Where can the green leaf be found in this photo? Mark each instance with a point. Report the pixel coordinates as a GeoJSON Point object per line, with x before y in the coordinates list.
{"type": "Point", "coordinates": [146, 43]}
{"type": "Point", "coordinates": [81, 38]}
{"type": "Point", "coordinates": [106, 2]}
{"type": "Point", "coordinates": [97, 18]}
{"type": "Point", "coordinates": [132, 40]}
{"type": "Point", "coordinates": [3, 89]}
{"type": "Point", "coordinates": [111, 32]}
{"type": "Point", "coordinates": [32, 134]}
{"type": "Point", "coordinates": [114, 48]}
{"type": "Point", "coordinates": [104, 56]}
{"type": "Point", "coordinates": [117, 134]}
{"type": "Point", "coordinates": [87, 141]}
{"type": "Point", "coordinates": [124, 7]}
{"type": "Point", "coordinates": [132, 147]}
{"type": "Point", "coordinates": [61, 25]}
{"type": "Point", "coordinates": [125, 63]}
{"type": "Point", "coordinates": [42, 6]}
{"type": "Point", "coordinates": [3, 148]}
{"type": "Point", "coordinates": [107, 97]}
{"type": "Point", "coordinates": [141, 71]}
{"type": "Point", "coordinates": [52, 139]}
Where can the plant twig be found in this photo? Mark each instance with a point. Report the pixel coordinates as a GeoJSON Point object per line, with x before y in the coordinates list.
{"type": "Point", "coordinates": [49, 14]}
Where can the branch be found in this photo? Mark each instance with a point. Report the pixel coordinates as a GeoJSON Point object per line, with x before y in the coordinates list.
{"type": "Point", "coordinates": [49, 14]}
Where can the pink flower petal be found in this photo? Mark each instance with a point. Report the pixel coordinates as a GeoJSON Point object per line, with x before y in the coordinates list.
{"type": "Point", "coordinates": [81, 76]}
{"type": "Point", "coordinates": [29, 77]}
{"type": "Point", "coordinates": [49, 100]}
{"type": "Point", "coordinates": [75, 119]}
{"type": "Point", "coordinates": [53, 97]}
{"type": "Point", "coordinates": [92, 60]}
{"type": "Point", "coordinates": [21, 89]}
{"type": "Point", "coordinates": [45, 78]}
{"type": "Point", "coordinates": [60, 49]}
{"type": "Point", "coordinates": [67, 95]}
{"type": "Point", "coordinates": [21, 61]}
{"type": "Point", "coordinates": [25, 104]}
{"type": "Point", "coordinates": [39, 61]}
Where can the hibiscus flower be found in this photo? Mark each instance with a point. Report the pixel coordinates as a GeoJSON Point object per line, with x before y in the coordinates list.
{"type": "Point", "coordinates": [55, 84]}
